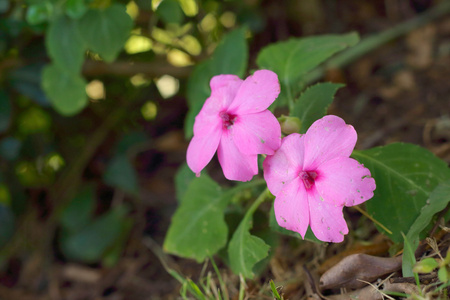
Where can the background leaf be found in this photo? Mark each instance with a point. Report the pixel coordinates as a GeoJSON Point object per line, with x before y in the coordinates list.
{"type": "Point", "coordinates": [64, 45]}
{"type": "Point", "coordinates": [106, 30]}
{"type": "Point", "coordinates": [79, 211]}
{"type": "Point", "coordinates": [7, 224]}
{"type": "Point", "coordinates": [5, 111]}
{"type": "Point", "coordinates": [90, 243]}
{"type": "Point", "coordinates": [198, 228]}
{"type": "Point", "coordinates": [121, 174]}
{"type": "Point", "coordinates": [66, 91]}
{"type": "Point", "coordinates": [313, 103]}
{"type": "Point", "coordinates": [293, 58]}
{"type": "Point", "coordinates": [405, 175]}
{"type": "Point", "coordinates": [439, 199]}
{"type": "Point", "coordinates": [230, 57]}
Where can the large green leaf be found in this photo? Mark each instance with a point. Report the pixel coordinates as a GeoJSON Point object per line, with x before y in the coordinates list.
{"type": "Point", "coordinates": [405, 175]}
{"type": "Point", "coordinates": [313, 103]}
{"type": "Point", "coordinates": [183, 178]}
{"type": "Point", "coordinates": [66, 91]}
{"type": "Point", "coordinates": [64, 44]}
{"type": "Point", "coordinates": [293, 58]}
{"type": "Point", "coordinates": [230, 57]}
{"type": "Point", "coordinates": [438, 201]}
{"type": "Point", "coordinates": [245, 249]}
{"type": "Point", "coordinates": [106, 30]}
{"type": "Point", "coordinates": [198, 228]}
{"type": "Point", "coordinates": [5, 111]}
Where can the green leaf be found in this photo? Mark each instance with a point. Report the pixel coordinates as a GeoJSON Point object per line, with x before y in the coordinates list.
{"type": "Point", "coordinates": [89, 244]}
{"type": "Point", "coordinates": [183, 178]}
{"type": "Point", "coordinates": [313, 103]}
{"type": "Point", "coordinates": [66, 91]}
{"type": "Point", "coordinates": [198, 228]}
{"type": "Point", "coordinates": [293, 58]}
{"type": "Point", "coordinates": [79, 211]}
{"type": "Point", "coordinates": [121, 174]}
{"type": "Point", "coordinates": [105, 31]}
{"type": "Point", "coordinates": [5, 111]}
{"type": "Point", "coordinates": [439, 199]}
{"type": "Point", "coordinates": [75, 8]}
{"type": "Point", "coordinates": [39, 13]}
{"type": "Point", "coordinates": [426, 265]}
{"type": "Point", "coordinates": [405, 175]}
{"type": "Point", "coordinates": [170, 11]}
{"type": "Point", "coordinates": [230, 57]}
{"type": "Point", "coordinates": [245, 250]}
{"type": "Point", "coordinates": [7, 224]}
{"type": "Point", "coordinates": [443, 274]}
{"type": "Point", "coordinates": [64, 45]}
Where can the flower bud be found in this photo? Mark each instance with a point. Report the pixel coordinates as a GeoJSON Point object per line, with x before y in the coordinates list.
{"type": "Point", "coordinates": [290, 124]}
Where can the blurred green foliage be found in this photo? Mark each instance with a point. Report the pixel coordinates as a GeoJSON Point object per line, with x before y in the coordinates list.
{"type": "Point", "coordinates": [77, 75]}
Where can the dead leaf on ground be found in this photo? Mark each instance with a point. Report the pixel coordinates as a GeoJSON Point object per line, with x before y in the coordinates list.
{"type": "Point", "coordinates": [353, 268]}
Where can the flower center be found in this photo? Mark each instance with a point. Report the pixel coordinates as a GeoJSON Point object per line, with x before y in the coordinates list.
{"type": "Point", "coordinates": [227, 119]}
{"type": "Point", "coordinates": [308, 178]}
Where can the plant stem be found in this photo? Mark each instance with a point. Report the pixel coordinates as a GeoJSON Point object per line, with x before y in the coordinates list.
{"type": "Point", "coordinates": [376, 40]}
{"type": "Point", "coordinates": [363, 212]}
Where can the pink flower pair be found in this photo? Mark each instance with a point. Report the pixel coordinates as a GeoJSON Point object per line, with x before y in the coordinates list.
{"type": "Point", "coordinates": [311, 175]}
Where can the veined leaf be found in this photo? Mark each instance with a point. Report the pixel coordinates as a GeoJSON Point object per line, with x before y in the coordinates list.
{"type": "Point", "coordinates": [293, 58]}
{"type": "Point", "coordinates": [106, 30]}
{"type": "Point", "coordinates": [183, 178]}
{"type": "Point", "coordinates": [405, 175]}
{"type": "Point", "coordinates": [313, 103]}
{"type": "Point", "coordinates": [439, 199]}
{"type": "Point", "coordinates": [198, 228]}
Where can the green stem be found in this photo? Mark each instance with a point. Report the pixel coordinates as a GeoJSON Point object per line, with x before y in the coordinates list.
{"type": "Point", "coordinates": [376, 40]}
{"type": "Point", "coordinates": [263, 196]}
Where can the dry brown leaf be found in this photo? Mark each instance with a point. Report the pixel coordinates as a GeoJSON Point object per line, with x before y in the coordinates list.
{"type": "Point", "coordinates": [353, 268]}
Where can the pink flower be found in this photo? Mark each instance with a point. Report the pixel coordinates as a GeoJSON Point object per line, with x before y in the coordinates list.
{"type": "Point", "coordinates": [235, 121]}
{"type": "Point", "coordinates": [313, 177]}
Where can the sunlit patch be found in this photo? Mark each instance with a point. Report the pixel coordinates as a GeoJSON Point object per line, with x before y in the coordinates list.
{"type": "Point", "coordinates": [189, 7]}
{"type": "Point", "coordinates": [155, 4]}
{"type": "Point", "coordinates": [137, 44]}
{"type": "Point", "coordinates": [95, 90]}
{"type": "Point", "coordinates": [228, 19]}
{"type": "Point", "coordinates": [54, 161]}
{"type": "Point", "coordinates": [132, 9]}
{"type": "Point", "coordinates": [94, 56]}
{"type": "Point", "coordinates": [178, 58]}
{"type": "Point", "coordinates": [139, 80]}
{"type": "Point", "coordinates": [149, 110]}
{"type": "Point", "coordinates": [167, 86]}
{"type": "Point", "coordinates": [208, 23]}
{"type": "Point", "coordinates": [191, 44]}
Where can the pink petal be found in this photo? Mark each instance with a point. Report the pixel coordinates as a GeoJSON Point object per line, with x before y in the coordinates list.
{"type": "Point", "coordinates": [235, 164]}
{"type": "Point", "coordinates": [344, 181]}
{"type": "Point", "coordinates": [328, 138]}
{"type": "Point", "coordinates": [256, 93]}
{"type": "Point", "coordinates": [223, 91]}
{"type": "Point", "coordinates": [285, 164]}
{"type": "Point", "coordinates": [201, 149]}
{"type": "Point", "coordinates": [291, 207]}
{"type": "Point", "coordinates": [258, 133]}
{"type": "Point", "coordinates": [326, 220]}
